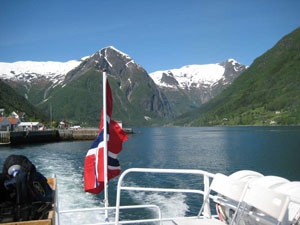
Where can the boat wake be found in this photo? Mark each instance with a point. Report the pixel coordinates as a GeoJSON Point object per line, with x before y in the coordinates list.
{"type": "Point", "coordinates": [170, 204]}
{"type": "Point", "coordinates": [70, 187]}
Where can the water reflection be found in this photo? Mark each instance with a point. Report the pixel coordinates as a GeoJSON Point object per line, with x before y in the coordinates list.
{"type": "Point", "coordinates": [191, 148]}
{"type": "Point", "coordinates": [268, 150]}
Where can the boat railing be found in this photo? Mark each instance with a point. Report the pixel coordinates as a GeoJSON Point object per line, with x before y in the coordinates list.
{"type": "Point", "coordinates": [206, 181]}
{"type": "Point", "coordinates": [95, 209]}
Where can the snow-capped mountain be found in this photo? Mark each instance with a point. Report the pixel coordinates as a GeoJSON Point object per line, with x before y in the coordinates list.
{"type": "Point", "coordinates": [29, 71]}
{"type": "Point", "coordinates": [162, 94]}
{"type": "Point", "coordinates": [196, 76]}
{"type": "Point", "coordinates": [190, 86]}
{"type": "Point", "coordinates": [110, 58]}
{"type": "Point", "coordinates": [137, 88]}
{"type": "Point", "coordinates": [73, 89]}
{"type": "Point", "coordinates": [55, 72]}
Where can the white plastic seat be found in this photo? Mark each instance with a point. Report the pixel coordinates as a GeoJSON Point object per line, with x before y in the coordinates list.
{"type": "Point", "coordinates": [246, 175]}
{"type": "Point", "coordinates": [291, 189]}
{"type": "Point", "coordinates": [270, 182]}
{"type": "Point", "coordinates": [226, 187]}
{"type": "Point", "coordinates": [269, 202]}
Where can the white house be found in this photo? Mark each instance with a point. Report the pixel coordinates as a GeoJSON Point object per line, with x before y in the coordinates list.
{"type": "Point", "coordinates": [76, 127]}
{"type": "Point", "coordinates": [29, 126]}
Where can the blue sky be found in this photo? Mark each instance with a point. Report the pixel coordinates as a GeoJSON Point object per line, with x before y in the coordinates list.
{"type": "Point", "coordinates": [157, 34]}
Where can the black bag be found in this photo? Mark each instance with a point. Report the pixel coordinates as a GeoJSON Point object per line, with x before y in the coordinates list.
{"type": "Point", "coordinates": [3, 192]}
{"type": "Point", "coordinates": [39, 188]}
{"type": "Point", "coordinates": [25, 195]}
{"type": "Point", "coordinates": [6, 205]}
{"type": "Point", "coordinates": [23, 161]}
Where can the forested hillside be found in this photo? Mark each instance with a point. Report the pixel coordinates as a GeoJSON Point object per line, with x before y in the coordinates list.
{"type": "Point", "coordinates": [266, 93]}
{"type": "Point", "coordinates": [11, 101]}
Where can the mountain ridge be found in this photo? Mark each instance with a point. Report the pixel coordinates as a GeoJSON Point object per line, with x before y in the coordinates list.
{"type": "Point", "coordinates": [135, 95]}
{"type": "Point", "coordinates": [57, 71]}
{"type": "Point", "coordinates": [191, 86]}
{"type": "Point", "coordinates": [135, 88]}
{"type": "Point", "coordinates": [195, 74]}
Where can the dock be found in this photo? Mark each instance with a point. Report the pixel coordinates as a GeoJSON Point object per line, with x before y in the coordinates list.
{"type": "Point", "coordinates": [28, 137]}
{"type": "Point", "coordinates": [4, 138]}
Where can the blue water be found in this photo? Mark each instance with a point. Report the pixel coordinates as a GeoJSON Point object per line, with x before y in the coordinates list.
{"type": "Point", "coordinates": [268, 150]}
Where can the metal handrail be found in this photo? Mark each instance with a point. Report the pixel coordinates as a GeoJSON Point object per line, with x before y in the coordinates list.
{"type": "Point", "coordinates": [205, 174]}
{"type": "Point", "coordinates": [110, 208]}
{"type": "Point", "coordinates": [117, 208]}
{"type": "Point", "coordinates": [57, 218]}
{"type": "Point", "coordinates": [114, 208]}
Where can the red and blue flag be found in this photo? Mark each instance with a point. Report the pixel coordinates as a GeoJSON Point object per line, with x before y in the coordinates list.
{"type": "Point", "coordinates": [94, 160]}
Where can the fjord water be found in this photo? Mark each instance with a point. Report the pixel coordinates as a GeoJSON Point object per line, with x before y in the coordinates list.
{"type": "Point", "coordinates": [268, 150]}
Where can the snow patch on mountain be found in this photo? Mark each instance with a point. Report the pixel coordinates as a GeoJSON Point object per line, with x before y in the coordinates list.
{"type": "Point", "coordinates": [105, 57]}
{"type": "Point", "coordinates": [190, 76]}
{"type": "Point", "coordinates": [127, 58]}
{"type": "Point", "coordinates": [186, 76]}
{"type": "Point", "coordinates": [121, 53]}
{"type": "Point", "coordinates": [55, 72]}
{"type": "Point", "coordinates": [28, 70]}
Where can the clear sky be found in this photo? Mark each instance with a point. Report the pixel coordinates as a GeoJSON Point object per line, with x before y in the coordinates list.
{"type": "Point", "coordinates": [157, 34]}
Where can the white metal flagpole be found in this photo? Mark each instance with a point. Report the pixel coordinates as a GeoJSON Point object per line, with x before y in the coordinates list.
{"type": "Point", "coordinates": [105, 144]}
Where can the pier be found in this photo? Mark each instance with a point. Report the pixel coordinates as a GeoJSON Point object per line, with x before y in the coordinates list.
{"type": "Point", "coordinates": [28, 137]}
{"type": "Point", "coordinates": [4, 137]}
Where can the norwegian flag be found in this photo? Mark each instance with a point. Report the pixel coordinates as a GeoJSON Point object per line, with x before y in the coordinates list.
{"type": "Point", "coordinates": [94, 160]}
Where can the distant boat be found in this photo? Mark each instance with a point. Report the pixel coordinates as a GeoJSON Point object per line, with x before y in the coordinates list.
{"type": "Point", "coordinates": [128, 130]}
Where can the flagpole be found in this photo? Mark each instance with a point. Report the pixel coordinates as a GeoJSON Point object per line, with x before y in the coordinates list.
{"type": "Point", "coordinates": [105, 144]}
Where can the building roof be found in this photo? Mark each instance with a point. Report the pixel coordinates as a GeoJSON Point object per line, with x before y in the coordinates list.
{"type": "Point", "coordinates": [28, 124]}
{"type": "Point", "coordinates": [3, 118]}
{"type": "Point", "coordinates": [13, 120]}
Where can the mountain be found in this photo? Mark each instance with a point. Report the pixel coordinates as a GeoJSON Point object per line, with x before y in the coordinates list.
{"type": "Point", "coordinates": [33, 80]}
{"type": "Point", "coordinates": [190, 86]}
{"type": "Point", "coordinates": [11, 101]}
{"type": "Point", "coordinates": [73, 90]}
{"type": "Point", "coordinates": [28, 71]}
{"type": "Point", "coordinates": [266, 93]}
{"type": "Point", "coordinates": [137, 100]}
